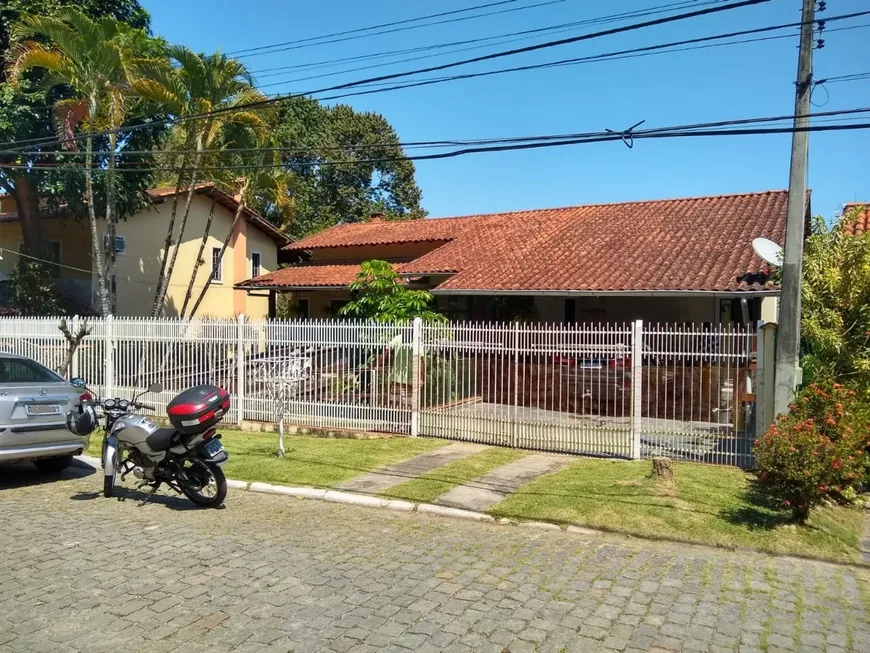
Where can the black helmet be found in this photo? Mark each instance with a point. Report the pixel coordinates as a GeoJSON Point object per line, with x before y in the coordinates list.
{"type": "Point", "coordinates": [82, 420]}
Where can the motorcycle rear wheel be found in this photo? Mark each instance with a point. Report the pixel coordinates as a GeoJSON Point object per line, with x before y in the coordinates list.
{"type": "Point", "coordinates": [205, 483]}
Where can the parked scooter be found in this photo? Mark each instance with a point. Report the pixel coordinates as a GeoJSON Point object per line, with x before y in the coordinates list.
{"type": "Point", "coordinates": [187, 457]}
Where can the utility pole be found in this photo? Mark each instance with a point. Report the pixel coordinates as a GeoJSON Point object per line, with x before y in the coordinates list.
{"type": "Point", "coordinates": [788, 345]}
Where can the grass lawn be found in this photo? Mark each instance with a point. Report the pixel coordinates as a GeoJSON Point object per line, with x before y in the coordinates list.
{"type": "Point", "coordinates": [428, 487]}
{"type": "Point", "coordinates": [707, 505]}
{"type": "Point", "coordinates": [318, 462]}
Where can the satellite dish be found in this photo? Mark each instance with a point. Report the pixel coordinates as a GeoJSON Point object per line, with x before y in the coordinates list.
{"type": "Point", "coordinates": [768, 250]}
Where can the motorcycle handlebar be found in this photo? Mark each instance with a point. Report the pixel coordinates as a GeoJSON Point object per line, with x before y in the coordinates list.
{"type": "Point", "coordinates": [146, 406]}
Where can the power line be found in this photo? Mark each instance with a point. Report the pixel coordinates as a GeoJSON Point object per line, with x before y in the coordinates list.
{"type": "Point", "coordinates": [720, 128]}
{"type": "Point", "coordinates": [261, 50]}
{"type": "Point", "coordinates": [540, 46]}
{"type": "Point", "coordinates": [854, 77]}
{"type": "Point", "coordinates": [632, 53]}
{"type": "Point", "coordinates": [825, 116]}
{"type": "Point", "coordinates": [370, 27]}
{"type": "Point", "coordinates": [484, 42]}
{"type": "Point", "coordinates": [526, 34]}
{"type": "Point", "coordinates": [75, 269]}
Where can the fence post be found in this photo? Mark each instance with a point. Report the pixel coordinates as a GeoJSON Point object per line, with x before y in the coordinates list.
{"type": "Point", "coordinates": [240, 369]}
{"type": "Point", "coordinates": [636, 387]}
{"type": "Point", "coordinates": [764, 377]}
{"type": "Point", "coordinates": [109, 358]}
{"type": "Point", "coordinates": [415, 376]}
{"type": "Point", "coordinates": [516, 381]}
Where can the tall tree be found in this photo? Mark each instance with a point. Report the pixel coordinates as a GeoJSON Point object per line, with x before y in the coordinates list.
{"type": "Point", "coordinates": [94, 59]}
{"type": "Point", "coordinates": [327, 193]}
{"type": "Point", "coordinates": [26, 113]}
{"type": "Point", "coordinates": [193, 85]}
{"type": "Point", "coordinates": [835, 320]}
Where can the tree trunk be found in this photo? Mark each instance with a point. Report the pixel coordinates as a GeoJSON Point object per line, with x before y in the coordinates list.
{"type": "Point", "coordinates": [24, 191]}
{"type": "Point", "coordinates": [73, 341]}
{"type": "Point", "coordinates": [661, 469]}
{"type": "Point", "coordinates": [239, 211]}
{"type": "Point", "coordinates": [162, 284]}
{"type": "Point", "coordinates": [111, 225]}
{"type": "Point", "coordinates": [97, 252]}
{"type": "Point", "coordinates": [171, 267]}
{"type": "Point", "coordinates": [199, 260]}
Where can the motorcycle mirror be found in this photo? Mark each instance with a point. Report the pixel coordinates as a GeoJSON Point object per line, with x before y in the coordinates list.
{"type": "Point", "coordinates": [155, 387]}
{"type": "Point", "coordinates": [78, 383]}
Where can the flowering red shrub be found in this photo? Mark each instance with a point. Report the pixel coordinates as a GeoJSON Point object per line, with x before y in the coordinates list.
{"type": "Point", "coordinates": [818, 450]}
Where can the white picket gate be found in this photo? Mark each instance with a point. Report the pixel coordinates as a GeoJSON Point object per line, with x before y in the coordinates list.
{"type": "Point", "coordinates": [617, 390]}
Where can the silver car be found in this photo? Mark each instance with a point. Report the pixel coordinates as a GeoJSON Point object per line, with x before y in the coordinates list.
{"type": "Point", "coordinates": [34, 402]}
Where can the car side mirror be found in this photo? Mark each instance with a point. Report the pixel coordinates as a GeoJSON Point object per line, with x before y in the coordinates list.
{"type": "Point", "coordinates": [155, 387]}
{"type": "Point", "coordinates": [78, 383]}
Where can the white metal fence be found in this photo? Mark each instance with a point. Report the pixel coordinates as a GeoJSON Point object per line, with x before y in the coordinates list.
{"type": "Point", "coordinates": [621, 390]}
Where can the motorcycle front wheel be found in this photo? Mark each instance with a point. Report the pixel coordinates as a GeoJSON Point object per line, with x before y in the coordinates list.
{"type": "Point", "coordinates": [202, 482]}
{"type": "Point", "coordinates": [109, 479]}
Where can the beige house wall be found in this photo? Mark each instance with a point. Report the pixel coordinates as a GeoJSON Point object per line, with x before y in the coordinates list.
{"type": "Point", "coordinates": [139, 267]}
{"type": "Point", "coordinates": [73, 235]}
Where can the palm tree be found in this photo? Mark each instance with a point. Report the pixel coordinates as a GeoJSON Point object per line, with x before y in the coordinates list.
{"type": "Point", "coordinates": [270, 182]}
{"type": "Point", "coordinates": [94, 59]}
{"type": "Point", "coordinates": [196, 84]}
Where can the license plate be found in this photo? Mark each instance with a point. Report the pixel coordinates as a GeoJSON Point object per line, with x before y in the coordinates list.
{"type": "Point", "coordinates": [213, 447]}
{"type": "Point", "coordinates": [43, 409]}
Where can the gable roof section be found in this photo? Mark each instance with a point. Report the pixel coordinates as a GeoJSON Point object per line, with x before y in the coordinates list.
{"type": "Point", "coordinates": [698, 244]}
{"type": "Point", "coordinates": [860, 224]}
{"type": "Point", "coordinates": [226, 200]}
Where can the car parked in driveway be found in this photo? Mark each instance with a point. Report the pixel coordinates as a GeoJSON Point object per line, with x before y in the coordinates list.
{"type": "Point", "coordinates": [34, 403]}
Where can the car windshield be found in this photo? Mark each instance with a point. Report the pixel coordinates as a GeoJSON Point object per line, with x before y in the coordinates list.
{"type": "Point", "coordinates": [22, 370]}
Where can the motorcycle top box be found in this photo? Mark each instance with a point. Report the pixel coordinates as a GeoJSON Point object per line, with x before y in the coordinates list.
{"type": "Point", "coordinates": [196, 410]}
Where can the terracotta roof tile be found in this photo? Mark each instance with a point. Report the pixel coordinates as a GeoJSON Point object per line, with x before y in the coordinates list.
{"type": "Point", "coordinates": [691, 244]}
{"type": "Point", "coordinates": [307, 275]}
{"type": "Point", "coordinates": [860, 221]}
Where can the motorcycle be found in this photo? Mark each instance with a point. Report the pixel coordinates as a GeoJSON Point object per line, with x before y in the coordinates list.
{"type": "Point", "coordinates": [186, 457]}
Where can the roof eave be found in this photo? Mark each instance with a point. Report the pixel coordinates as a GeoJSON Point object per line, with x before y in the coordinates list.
{"type": "Point", "coordinates": [614, 293]}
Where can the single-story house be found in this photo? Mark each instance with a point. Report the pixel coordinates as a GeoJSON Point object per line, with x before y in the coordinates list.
{"type": "Point", "coordinates": [680, 260]}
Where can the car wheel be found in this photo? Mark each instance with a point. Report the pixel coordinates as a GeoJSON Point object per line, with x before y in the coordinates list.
{"type": "Point", "coordinates": [53, 465]}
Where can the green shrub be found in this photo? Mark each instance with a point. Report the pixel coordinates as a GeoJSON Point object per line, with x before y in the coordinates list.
{"type": "Point", "coordinates": [817, 451]}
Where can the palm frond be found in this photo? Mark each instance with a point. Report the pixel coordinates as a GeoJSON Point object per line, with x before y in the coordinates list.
{"type": "Point", "coordinates": [30, 54]}
{"type": "Point", "coordinates": [67, 114]}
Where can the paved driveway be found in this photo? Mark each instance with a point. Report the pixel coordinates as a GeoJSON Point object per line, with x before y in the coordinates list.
{"type": "Point", "coordinates": [82, 573]}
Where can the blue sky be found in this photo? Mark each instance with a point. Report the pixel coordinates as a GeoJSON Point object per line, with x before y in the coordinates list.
{"type": "Point", "coordinates": [742, 81]}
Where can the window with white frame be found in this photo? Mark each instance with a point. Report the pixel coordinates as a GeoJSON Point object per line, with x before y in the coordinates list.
{"type": "Point", "coordinates": [255, 264]}
{"type": "Point", "coordinates": [217, 270]}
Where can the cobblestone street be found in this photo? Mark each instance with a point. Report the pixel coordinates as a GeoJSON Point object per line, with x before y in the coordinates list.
{"type": "Point", "coordinates": [84, 573]}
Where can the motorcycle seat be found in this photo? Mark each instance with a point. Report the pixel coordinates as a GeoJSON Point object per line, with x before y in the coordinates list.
{"type": "Point", "coordinates": [161, 439]}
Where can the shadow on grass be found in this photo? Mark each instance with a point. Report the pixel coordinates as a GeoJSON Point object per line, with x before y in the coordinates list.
{"type": "Point", "coordinates": [759, 512]}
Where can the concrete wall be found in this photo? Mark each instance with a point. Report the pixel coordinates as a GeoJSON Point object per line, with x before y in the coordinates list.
{"type": "Point", "coordinates": [627, 309]}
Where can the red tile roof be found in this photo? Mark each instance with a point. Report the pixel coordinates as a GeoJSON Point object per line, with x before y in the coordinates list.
{"type": "Point", "coordinates": [859, 221]}
{"type": "Point", "coordinates": [307, 275]}
{"type": "Point", "coordinates": [695, 244]}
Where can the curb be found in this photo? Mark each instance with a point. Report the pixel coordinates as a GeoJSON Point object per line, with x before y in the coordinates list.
{"type": "Point", "coordinates": [369, 501]}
